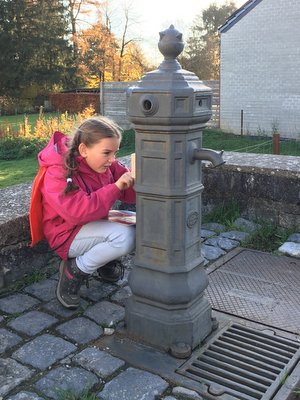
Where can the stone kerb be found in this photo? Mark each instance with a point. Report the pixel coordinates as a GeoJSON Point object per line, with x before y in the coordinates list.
{"type": "Point", "coordinates": [264, 186]}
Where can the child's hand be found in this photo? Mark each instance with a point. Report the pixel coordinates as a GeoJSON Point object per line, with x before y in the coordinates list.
{"type": "Point", "coordinates": [125, 181]}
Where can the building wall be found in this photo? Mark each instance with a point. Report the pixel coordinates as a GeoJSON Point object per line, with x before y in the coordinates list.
{"type": "Point", "coordinates": [260, 70]}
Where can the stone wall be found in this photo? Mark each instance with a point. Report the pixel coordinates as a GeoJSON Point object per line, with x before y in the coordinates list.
{"type": "Point", "coordinates": [264, 186]}
{"type": "Point", "coordinates": [17, 258]}
{"type": "Point", "coordinates": [113, 101]}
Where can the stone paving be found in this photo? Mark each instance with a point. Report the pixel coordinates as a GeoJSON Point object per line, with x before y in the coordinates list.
{"type": "Point", "coordinates": [47, 351]}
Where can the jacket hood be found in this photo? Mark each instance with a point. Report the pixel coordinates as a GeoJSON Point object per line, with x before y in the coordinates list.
{"type": "Point", "coordinates": [53, 153]}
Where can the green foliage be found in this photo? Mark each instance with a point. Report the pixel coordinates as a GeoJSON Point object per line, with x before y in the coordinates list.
{"type": "Point", "coordinates": [268, 238]}
{"type": "Point", "coordinates": [15, 169]}
{"type": "Point", "coordinates": [213, 16]}
{"type": "Point", "coordinates": [218, 140]}
{"type": "Point", "coordinates": [224, 214]}
{"type": "Point", "coordinates": [16, 148]}
{"type": "Point", "coordinates": [284, 377]}
{"type": "Point", "coordinates": [10, 105]}
{"type": "Point", "coordinates": [128, 142]}
{"type": "Point", "coordinates": [201, 53]}
{"type": "Point", "coordinates": [15, 120]}
{"type": "Point", "coordinates": [34, 51]}
{"type": "Point", "coordinates": [41, 48]}
{"type": "Point", "coordinates": [297, 392]}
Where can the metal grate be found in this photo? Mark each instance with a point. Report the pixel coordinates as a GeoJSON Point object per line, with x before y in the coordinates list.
{"type": "Point", "coordinates": [243, 362]}
{"type": "Point", "coordinates": [258, 286]}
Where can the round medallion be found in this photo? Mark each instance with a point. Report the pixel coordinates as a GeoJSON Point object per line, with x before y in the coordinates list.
{"type": "Point", "coordinates": [192, 219]}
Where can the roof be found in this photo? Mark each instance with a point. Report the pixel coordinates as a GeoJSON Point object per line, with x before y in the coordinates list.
{"type": "Point", "coordinates": [238, 15]}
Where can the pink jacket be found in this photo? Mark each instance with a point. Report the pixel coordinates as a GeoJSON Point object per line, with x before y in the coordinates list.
{"type": "Point", "coordinates": [64, 214]}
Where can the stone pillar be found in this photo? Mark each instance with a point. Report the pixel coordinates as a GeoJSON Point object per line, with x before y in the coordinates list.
{"type": "Point", "coordinates": [169, 109]}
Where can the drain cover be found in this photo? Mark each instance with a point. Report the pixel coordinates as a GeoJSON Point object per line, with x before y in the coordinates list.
{"type": "Point", "coordinates": [243, 362]}
{"type": "Point", "coordinates": [260, 287]}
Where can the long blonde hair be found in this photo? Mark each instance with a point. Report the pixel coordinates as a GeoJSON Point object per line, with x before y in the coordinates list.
{"type": "Point", "coordinates": [90, 132]}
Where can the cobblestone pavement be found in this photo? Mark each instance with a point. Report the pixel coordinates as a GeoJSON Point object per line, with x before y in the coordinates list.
{"type": "Point", "coordinates": [47, 350]}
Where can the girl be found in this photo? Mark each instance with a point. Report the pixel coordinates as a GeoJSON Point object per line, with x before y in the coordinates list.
{"type": "Point", "coordinates": [82, 182]}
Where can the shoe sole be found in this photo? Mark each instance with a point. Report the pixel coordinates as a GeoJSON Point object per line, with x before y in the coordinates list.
{"type": "Point", "coordinates": [59, 298]}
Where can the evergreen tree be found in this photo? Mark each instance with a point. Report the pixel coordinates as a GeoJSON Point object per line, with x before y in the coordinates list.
{"type": "Point", "coordinates": [35, 55]}
{"type": "Point", "coordinates": [202, 54]}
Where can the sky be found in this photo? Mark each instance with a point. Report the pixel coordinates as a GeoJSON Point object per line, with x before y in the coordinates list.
{"type": "Point", "coordinates": [149, 17]}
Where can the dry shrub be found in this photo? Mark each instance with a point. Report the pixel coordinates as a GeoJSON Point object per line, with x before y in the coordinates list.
{"type": "Point", "coordinates": [28, 140]}
{"type": "Point", "coordinates": [45, 127]}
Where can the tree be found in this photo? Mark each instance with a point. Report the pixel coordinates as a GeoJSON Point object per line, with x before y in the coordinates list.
{"type": "Point", "coordinates": [104, 56]}
{"type": "Point", "coordinates": [134, 63]}
{"type": "Point", "coordinates": [128, 50]}
{"type": "Point", "coordinates": [100, 57]}
{"type": "Point", "coordinates": [202, 52]}
{"type": "Point", "coordinates": [34, 53]}
{"type": "Point", "coordinates": [37, 53]}
{"type": "Point", "coordinates": [75, 10]}
{"type": "Point", "coordinates": [97, 48]}
{"type": "Point", "coordinates": [124, 42]}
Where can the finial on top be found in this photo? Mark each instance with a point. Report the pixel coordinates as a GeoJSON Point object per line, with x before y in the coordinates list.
{"type": "Point", "coordinates": [170, 43]}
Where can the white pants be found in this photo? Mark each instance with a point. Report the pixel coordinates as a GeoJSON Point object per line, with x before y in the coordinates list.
{"type": "Point", "coordinates": [100, 242]}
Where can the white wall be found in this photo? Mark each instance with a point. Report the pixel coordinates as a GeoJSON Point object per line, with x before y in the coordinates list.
{"type": "Point", "coordinates": [260, 70]}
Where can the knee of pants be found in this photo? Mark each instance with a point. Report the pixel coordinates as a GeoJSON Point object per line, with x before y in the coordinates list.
{"type": "Point", "coordinates": [128, 243]}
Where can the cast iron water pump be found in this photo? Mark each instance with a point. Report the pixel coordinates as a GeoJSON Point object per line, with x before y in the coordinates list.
{"type": "Point", "coordinates": [169, 109]}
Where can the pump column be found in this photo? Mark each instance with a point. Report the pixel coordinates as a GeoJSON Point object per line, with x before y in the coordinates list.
{"type": "Point", "coordinates": [169, 109]}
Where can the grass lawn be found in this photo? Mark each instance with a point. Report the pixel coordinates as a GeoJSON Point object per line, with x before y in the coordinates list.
{"type": "Point", "coordinates": [218, 140]}
{"type": "Point", "coordinates": [24, 170]}
{"type": "Point", "coordinates": [13, 172]}
{"type": "Point", "coordinates": [15, 120]}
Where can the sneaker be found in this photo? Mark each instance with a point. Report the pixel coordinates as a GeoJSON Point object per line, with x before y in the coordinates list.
{"type": "Point", "coordinates": [111, 272]}
{"type": "Point", "coordinates": [70, 280]}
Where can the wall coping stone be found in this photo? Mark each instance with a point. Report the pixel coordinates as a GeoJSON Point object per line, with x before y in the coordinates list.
{"type": "Point", "coordinates": [275, 163]}
{"type": "Point", "coordinates": [15, 199]}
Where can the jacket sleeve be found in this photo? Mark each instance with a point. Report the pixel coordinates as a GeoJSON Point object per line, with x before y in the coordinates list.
{"type": "Point", "coordinates": [128, 195]}
{"type": "Point", "coordinates": [77, 207]}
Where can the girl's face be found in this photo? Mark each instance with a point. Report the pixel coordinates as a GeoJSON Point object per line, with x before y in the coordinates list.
{"type": "Point", "coordinates": [101, 155]}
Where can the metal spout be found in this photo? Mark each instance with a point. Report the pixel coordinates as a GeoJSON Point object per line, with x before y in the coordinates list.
{"type": "Point", "coordinates": [210, 155]}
